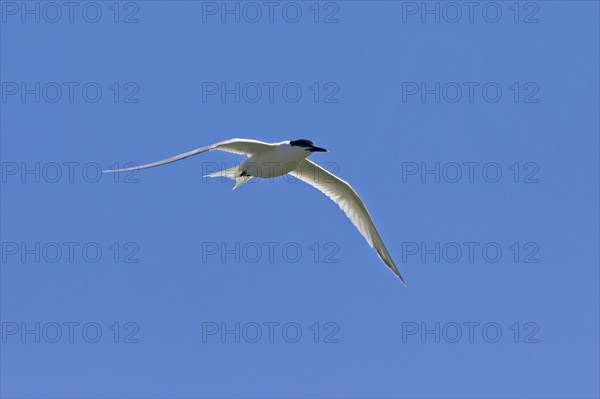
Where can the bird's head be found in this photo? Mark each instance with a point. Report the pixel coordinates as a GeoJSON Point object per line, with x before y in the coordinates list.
{"type": "Point", "coordinates": [307, 145]}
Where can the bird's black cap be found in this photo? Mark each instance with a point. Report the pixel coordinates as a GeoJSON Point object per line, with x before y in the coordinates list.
{"type": "Point", "coordinates": [308, 145]}
{"type": "Point", "coordinates": [301, 143]}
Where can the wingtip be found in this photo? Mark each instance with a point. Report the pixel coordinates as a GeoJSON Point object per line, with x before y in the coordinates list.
{"type": "Point", "coordinates": [402, 281]}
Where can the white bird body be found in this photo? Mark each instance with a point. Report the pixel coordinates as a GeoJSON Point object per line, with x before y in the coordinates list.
{"type": "Point", "coordinates": [276, 160]}
{"type": "Point", "coordinates": [269, 160]}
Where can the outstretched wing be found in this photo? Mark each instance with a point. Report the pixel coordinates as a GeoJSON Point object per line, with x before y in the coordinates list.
{"type": "Point", "coordinates": [344, 195]}
{"type": "Point", "coordinates": [236, 146]}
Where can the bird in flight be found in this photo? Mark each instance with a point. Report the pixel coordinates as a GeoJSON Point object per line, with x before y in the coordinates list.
{"type": "Point", "coordinates": [269, 160]}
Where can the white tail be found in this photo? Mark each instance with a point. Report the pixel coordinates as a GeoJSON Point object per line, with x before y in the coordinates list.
{"type": "Point", "coordinates": [233, 174]}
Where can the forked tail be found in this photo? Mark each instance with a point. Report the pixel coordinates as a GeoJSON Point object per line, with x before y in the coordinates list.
{"type": "Point", "coordinates": [233, 174]}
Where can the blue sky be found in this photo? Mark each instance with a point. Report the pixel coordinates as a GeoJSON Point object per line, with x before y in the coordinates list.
{"type": "Point", "coordinates": [471, 133]}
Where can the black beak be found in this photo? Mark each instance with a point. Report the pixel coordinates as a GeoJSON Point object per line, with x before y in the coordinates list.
{"type": "Point", "coordinates": [317, 149]}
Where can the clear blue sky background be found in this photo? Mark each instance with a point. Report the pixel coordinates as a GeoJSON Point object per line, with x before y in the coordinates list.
{"type": "Point", "coordinates": [177, 291]}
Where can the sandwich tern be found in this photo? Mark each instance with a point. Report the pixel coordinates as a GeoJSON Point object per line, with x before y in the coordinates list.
{"type": "Point", "coordinates": [269, 160]}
